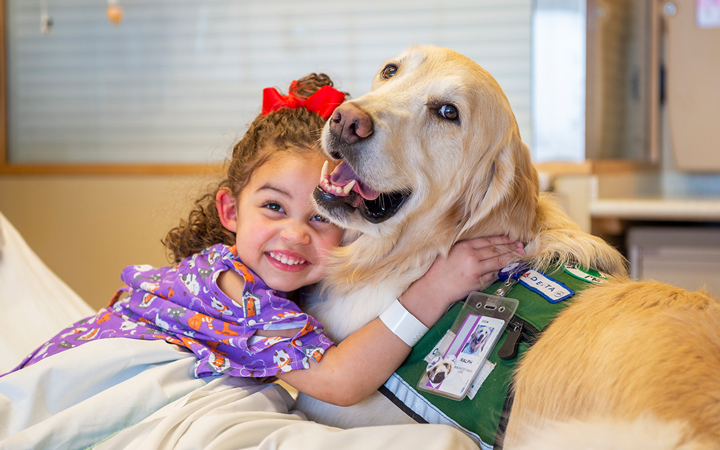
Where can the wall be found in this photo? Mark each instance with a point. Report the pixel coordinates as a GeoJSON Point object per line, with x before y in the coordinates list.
{"type": "Point", "coordinates": [88, 228]}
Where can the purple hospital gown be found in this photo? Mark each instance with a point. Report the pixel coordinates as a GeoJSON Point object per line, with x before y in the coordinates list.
{"type": "Point", "coordinates": [183, 305]}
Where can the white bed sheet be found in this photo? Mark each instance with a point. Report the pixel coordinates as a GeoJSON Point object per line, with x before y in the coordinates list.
{"type": "Point", "coordinates": [129, 394]}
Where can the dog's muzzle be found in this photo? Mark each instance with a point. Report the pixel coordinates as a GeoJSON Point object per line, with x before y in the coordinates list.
{"type": "Point", "coordinates": [374, 211]}
{"type": "Point", "coordinates": [343, 191]}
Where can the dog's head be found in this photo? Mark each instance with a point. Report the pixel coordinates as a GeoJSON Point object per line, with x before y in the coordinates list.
{"type": "Point", "coordinates": [434, 141]}
{"type": "Point", "coordinates": [481, 334]}
{"type": "Point", "coordinates": [439, 369]}
{"type": "Point", "coordinates": [479, 337]}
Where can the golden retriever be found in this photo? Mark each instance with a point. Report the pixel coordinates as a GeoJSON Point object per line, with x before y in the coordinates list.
{"type": "Point", "coordinates": [436, 140]}
{"type": "Point", "coordinates": [440, 180]}
{"type": "Point", "coordinates": [437, 157]}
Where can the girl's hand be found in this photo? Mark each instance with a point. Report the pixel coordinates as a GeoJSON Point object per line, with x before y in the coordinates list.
{"type": "Point", "coordinates": [471, 265]}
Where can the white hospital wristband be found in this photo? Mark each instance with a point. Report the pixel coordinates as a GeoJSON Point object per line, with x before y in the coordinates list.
{"type": "Point", "coordinates": [405, 326]}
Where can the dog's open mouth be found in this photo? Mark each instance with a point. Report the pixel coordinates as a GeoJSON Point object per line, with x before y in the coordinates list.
{"type": "Point", "coordinates": [343, 188]}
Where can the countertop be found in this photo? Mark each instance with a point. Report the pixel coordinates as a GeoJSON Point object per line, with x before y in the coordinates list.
{"type": "Point", "coordinates": [669, 209]}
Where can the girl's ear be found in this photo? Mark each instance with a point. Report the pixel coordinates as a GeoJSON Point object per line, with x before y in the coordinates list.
{"type": "Point", "coordinates": [227, 210]}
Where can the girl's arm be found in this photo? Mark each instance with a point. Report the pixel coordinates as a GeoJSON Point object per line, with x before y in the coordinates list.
{"type": "Point", "coordinates": [355, 368]}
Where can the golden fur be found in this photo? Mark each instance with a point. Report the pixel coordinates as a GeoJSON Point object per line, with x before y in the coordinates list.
{"type": "Point", "coordinates": [613, 355]}
{"type": "Point", "coordinates": [646, 433]}
{"type": "Point", "coordinates": [625, 351]}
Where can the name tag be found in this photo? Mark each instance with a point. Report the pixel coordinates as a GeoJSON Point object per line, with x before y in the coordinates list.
{"type": "Point", "coordinates": [589, 275]}
{"type": "Point", "coordinates": [552, 290]}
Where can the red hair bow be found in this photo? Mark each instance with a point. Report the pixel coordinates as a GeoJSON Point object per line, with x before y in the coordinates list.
{"type": "Point", "coordinates": [322, 102]}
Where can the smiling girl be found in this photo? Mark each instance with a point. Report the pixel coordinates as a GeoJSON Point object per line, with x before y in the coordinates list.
{"type": "Point", "coordinates": [248, 252]}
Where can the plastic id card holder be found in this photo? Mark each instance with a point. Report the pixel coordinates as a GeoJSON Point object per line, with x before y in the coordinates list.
{"type": "Point", "coordinates": [473, 335]}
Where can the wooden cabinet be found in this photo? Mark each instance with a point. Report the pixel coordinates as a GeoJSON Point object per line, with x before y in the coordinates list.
{"type": "Point", "coordinates": [691, 35]}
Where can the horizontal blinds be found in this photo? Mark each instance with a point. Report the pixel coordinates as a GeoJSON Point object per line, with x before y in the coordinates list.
{"type": "Point", "coordinates": [178, 81]}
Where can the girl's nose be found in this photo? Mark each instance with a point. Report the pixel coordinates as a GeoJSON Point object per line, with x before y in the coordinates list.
{"type": "Point", "coordinates": [296, 233]}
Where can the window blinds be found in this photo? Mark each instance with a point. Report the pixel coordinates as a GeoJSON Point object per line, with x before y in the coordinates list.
{"type": "Point", "coordinates": [178, 81]}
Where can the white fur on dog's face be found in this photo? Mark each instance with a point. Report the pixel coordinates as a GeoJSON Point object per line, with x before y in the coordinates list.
{"type": "Point", "coordinates": [457, 168]}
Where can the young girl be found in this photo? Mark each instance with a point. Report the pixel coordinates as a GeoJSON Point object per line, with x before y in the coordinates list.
{"type": "Point", "coordinates": [256, 237]}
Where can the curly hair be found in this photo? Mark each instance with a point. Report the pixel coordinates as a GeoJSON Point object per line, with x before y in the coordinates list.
{"type": "Point", "coordinates": [285, 130]}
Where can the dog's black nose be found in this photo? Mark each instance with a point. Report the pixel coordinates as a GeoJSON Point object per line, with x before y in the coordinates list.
{"type": "Point", "coordinates": [350, 123]}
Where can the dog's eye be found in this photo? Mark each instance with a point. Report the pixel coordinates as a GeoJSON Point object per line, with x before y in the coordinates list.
{"type": "Point", "coordinates": [448, 112]}
{"type": "Point", "coordinates": [388, 71]}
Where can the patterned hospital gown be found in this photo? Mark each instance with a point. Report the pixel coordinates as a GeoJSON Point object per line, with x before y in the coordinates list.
{"type": "Point", "coordinates": [183, 305]}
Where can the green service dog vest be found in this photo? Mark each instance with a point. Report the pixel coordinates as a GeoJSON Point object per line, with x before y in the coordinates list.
{"type": "Point", "coordinates": [484, 417]}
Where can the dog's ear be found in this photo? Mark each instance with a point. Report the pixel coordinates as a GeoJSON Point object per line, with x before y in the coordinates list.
{"type": "Point", "coordinates": [502, 193]}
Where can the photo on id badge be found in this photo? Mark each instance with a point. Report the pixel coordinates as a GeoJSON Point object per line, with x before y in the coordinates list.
{"type": "Point", "coordinates": [453, 372]}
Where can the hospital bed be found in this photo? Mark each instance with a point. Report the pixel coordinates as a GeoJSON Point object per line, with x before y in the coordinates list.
{"type": "Point", "coordinates": [125, 393]}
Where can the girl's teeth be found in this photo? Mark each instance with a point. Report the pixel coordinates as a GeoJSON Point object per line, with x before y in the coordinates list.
{"type": "Point", "coordinates": [285, 260]}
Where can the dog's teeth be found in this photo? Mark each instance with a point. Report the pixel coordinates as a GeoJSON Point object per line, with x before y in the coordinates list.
{"type": "Point", "coordinates": [324, 173]}
{"type": "Point", "coordinates": [338, 189]}
{"type": "Point", "coordinates": [348, 187]}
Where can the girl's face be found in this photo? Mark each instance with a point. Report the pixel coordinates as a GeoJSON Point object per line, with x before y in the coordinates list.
{"type": "Point", "coordinates": [280, 235]}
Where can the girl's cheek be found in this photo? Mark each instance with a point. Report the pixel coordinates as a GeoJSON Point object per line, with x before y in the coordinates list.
{"type": "Point", "coordinates": [336, 237]}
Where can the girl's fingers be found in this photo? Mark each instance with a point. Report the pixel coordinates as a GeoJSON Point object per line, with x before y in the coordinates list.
{"type": "Point", "coordinates": [486, 280]}
{"type": "Point", "coordinates": [506, 259]}
{"type": "Point", "coordinates": [496, 241]}
{"type": "Point", "coordinates": [491, 259]}
{"type": "Point", "coordinates": [508, 252]}
{"type": "Point", "coordinates": [490, 241]}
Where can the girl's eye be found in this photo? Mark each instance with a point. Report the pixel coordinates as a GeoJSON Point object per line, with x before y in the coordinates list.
{"type": "Point", "coordinates": [448, 112]}
{"type": "Point", "coordinates": [388, 71]}
{"type": "Point", "coordinates": [319, 218]}
{"type": "Point", "coordinates": [273, 206]}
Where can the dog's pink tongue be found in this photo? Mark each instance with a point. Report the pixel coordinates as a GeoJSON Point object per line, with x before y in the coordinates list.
{"type": "Point", "coordinates": [342, 175]}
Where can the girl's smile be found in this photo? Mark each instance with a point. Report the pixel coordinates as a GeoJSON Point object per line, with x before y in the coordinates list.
{"type": "Point", "coordinates": [285, 261]}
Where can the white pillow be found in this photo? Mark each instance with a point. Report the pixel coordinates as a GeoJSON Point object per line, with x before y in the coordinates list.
{"type": "Point", "coordinates": [28, 288]}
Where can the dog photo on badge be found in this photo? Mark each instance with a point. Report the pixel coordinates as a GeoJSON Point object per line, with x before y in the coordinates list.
{"type": "Point", "coordinates": [478, 339]}
{"type": "Point", "coordinates": [439, 369]}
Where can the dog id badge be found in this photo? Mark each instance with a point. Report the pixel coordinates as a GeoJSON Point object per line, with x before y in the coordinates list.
{"type": "Point", "coordinates": [474, 333]}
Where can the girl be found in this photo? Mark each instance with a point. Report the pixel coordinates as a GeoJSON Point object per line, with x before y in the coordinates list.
{"type": "Point", "coordinates": [256, 237]}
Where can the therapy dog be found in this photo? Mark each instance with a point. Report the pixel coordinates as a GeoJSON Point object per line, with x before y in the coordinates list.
{"type": "Point", "coordinates": [436, 143]}
{"type": "Point", "coordinates": [433, 156]}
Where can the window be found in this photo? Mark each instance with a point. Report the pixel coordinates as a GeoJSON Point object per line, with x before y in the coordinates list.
{"type": "Point", "coordinates": [177, 82]}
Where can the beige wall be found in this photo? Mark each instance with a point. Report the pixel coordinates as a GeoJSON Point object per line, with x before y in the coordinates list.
{"type": "Point", "coordinates": [88, 228]}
